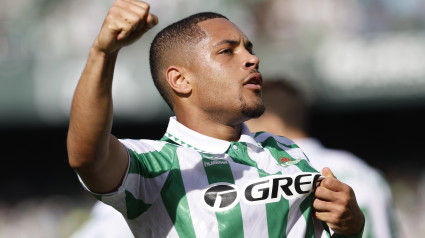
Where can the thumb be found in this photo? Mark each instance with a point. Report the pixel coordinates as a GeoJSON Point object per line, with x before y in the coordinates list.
{"type": "Point", "coordinates": [327, 172]}
{"type": "Point", "coordinates": [151, 20]}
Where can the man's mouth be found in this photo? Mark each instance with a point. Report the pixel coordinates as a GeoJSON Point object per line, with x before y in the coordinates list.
{"type": "Point", "coordinates": [254, 81]}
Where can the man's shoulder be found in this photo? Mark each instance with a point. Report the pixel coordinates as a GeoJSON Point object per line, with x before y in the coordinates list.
{"type": "Point", "coordinates": [145, 145]}
{"type": "Point", "coordinates": [262, 137]}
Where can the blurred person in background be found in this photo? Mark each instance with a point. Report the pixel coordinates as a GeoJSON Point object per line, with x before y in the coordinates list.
{"type": "Point", "coordinates": [286, 114]}
{"type": "Point", "coordinates": [187, 184]}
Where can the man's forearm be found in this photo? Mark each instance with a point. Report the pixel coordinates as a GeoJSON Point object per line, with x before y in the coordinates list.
{"type": "Point", "coordinates": [92, 110]}
{"type": "Point", "coordinates": [98, 157]}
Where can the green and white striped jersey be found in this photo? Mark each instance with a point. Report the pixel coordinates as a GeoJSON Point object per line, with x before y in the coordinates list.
{"type": "Point", "coordinates": [191, 185]}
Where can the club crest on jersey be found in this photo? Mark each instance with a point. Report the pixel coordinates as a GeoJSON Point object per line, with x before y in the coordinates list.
{"type": "Point", "coordinates": [224, 196]}
{"type": "Point", "coordinates": [285, 162]}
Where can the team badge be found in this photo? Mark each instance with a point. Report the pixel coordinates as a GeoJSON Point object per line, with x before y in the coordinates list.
{"type": "Point", "coordinates": [285, 162]}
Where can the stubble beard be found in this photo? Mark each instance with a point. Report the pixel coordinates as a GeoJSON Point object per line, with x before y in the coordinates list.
{"type": "Point", "coordinates": [254, 111]}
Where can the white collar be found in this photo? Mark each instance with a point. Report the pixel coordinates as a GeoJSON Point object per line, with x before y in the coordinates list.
{"type": "Point", "coordinates": [184, 136]}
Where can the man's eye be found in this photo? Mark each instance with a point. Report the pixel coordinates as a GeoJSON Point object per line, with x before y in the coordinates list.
{"type": "Point", "coordinates": [226, 51]}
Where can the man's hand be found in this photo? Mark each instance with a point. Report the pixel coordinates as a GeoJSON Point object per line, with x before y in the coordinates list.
{"type": "Point", "coordinates": [127, 21]}
{"type": "Point", "coordinates": [336, 204]}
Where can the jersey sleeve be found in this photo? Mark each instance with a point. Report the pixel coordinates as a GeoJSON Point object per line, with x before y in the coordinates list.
{"type": "Point", "coordinates": [148, 168]}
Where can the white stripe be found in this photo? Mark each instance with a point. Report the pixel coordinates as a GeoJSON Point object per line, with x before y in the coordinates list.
{"type": "Point", "coordinates": [297, 224]}
{"type": "Point", "coordinates": [195, 181]}
{"type": "Point", "coordinates": [293, 169]}
{"type": "Point", "coordinates": [263, 158]}
{"type": "Point", "coordinates": [117, 200]}
{"type": "Point", "coordinates": [154, 223]}
{"type": "Point", "coordinates": [256, 226]}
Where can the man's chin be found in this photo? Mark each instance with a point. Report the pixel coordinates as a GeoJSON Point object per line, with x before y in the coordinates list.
{"type": "Point", "coordinates": [254, 112]}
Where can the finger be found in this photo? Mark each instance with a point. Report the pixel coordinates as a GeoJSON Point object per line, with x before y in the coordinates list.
{"type": "Point", "coordinates": [331, 182]}
{"type": "Point", "coordinates": [128, 22]}
{"type": "Point", "coordinates": [125, 29]}
{"type": "Point", "coordinates": [137, 14]}
{"type": "Point", "coordinates": [152, 20]}
{"type": "Point", "coordinates": [327, 217]}
{"type": "Point", "coordinates": [135, 18]}
{"type": "Point", "coordinates": [139, 3]}
{"type": "Point", "coordinates": [327, 172]}
{"type": "Point", "coordinates": [321, 205]}
{"type": "Point", "coordinates": [324, 193]}
{"type": "Point", "coordinates": [119, 20]}
{"type": "Point", "coordinates": [137, 7]}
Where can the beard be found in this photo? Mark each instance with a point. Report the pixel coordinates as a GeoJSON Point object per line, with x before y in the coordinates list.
{"type": "Point", "coordinates": [253, 111]}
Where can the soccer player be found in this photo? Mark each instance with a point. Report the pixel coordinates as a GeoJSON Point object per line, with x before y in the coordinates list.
{"type": "Point", "coordinates": [208, 176]}
{"type": "Point", "coordinates": [287, 114]}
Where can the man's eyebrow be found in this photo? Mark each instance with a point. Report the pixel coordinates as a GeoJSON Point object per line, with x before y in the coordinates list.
{"type": "Point", "coordinates": [248, 43]}
{"type": "Point", "coordinates": [226, 41]}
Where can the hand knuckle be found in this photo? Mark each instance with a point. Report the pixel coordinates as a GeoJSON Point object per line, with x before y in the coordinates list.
{"type": "Point", "coordinates": [146, 5]}
{"type": "Point", "coordinates": [320, 190]}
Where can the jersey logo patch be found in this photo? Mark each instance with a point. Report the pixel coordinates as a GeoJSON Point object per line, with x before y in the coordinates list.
{"type": "Point", "coordinates": [215, 162]}
{"type": "Point", "coordinates": [221, 196]}
{"type": "Point", "coordinates": [285, 162]}
{"type": "Point", "coordinates": [224, 196]}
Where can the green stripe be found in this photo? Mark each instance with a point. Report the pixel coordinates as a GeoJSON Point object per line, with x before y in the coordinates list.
{"type": "Point", "coordinates": [272, 145]}
{"type": "Point", "coordinates": [305, 167]}
{"type": "Point", "coordinates": [135, 207]}
{"type": "Point", "coordinates": [277, 215]}
{"type": "Point", "coordinates": [256, 134]}
{"type": "Point", "coordinates": [272, 138]}
{"type": "Point", "coordinates": [152, 164]}
{"type": "Point", "coordinates": [175, 201]}
{"type": "Point", "coordinates": [230, 222]}
{"type": "Point", "coordinates": [148, 165]}
{"type": "Point", "coordinates": [306, 209]}
{"type": "Point", "coordinates": [241, 154]}
{"type": "Point", "coordinates": [276, 219]}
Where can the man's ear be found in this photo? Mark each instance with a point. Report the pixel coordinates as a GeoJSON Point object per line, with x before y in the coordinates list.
{"type": "Point", "coordinates": [177, 80]}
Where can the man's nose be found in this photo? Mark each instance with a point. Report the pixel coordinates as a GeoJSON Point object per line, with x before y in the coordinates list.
{"type": "Point", "coordinates": [252, 61]}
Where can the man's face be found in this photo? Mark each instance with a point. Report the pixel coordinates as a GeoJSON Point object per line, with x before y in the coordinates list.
{"type": "Point", "coordinates": [227, 82]}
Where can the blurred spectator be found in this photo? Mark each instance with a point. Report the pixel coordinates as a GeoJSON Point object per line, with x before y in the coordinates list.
{"type": "Point", "coordinates": [286, 114]}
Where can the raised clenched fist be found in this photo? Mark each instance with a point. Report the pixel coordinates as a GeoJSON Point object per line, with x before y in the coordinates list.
{"type": "Point", "coordinates": [127, 21]}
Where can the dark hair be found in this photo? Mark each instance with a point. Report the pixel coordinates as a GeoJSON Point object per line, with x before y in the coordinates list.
{"type": "Point", "coordinates": [170, 44]}
{"type": "Point", "coordinates": [283, 99]}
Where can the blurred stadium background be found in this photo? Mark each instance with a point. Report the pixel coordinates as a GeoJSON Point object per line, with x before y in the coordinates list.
{"type": "Point", "coordinates": [362, 64]}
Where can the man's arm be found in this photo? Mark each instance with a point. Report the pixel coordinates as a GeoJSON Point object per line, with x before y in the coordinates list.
{"type": "Point", "coordinates": [336, 204]}
{"type": "Point", "coordinates": [96, 155]}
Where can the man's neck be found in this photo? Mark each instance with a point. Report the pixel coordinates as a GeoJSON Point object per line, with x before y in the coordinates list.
{"type": "Point", "coordinates": [211, 127]}
{"type": "Point", "coordinates": [215, 130]}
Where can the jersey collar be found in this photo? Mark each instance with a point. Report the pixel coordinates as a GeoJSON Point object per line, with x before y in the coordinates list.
{"type": "Point", "coordinates": [189, 138]}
